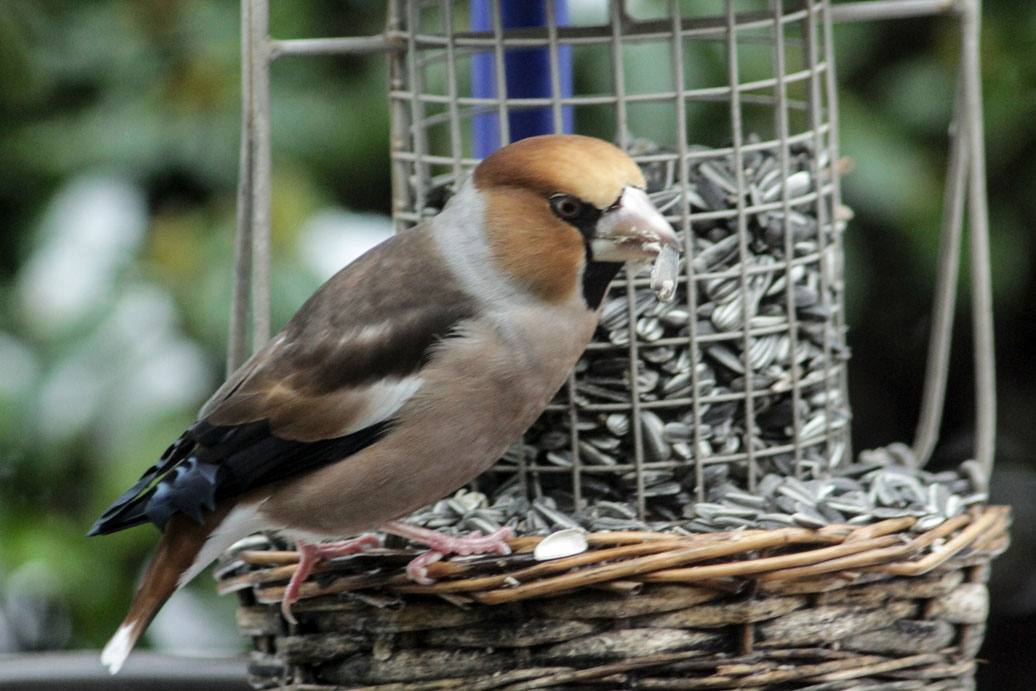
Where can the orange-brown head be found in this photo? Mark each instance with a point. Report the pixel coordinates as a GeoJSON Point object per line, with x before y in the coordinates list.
{"type": "Point", "coordinates": [559, 206]}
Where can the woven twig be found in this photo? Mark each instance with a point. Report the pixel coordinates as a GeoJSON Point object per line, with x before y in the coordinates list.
{"type": "Point", "coordinates": [840, 607]}
{"type": "Point", "coordinates": [656, 557]}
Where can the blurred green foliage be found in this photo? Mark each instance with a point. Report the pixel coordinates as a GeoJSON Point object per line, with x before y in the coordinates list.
{"type": "Point", "coordinates": [146, 97]}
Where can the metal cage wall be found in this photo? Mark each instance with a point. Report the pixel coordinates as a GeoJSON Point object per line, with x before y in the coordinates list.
{"type": "Point", "coordinates": [746, 369]}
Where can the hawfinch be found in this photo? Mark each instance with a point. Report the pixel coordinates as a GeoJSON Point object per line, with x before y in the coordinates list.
{"type": "Point", "coordinates": [403, 377]}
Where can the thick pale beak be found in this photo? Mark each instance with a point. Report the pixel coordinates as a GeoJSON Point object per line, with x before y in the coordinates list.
{"type": "Point", "coordinates": [632, 230]}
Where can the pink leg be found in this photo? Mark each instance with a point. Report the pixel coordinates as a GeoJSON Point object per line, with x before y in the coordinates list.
{"type": "Point", "coordinates": [442, 544]}
{"type": "Point", "coordinates": [310, 554]}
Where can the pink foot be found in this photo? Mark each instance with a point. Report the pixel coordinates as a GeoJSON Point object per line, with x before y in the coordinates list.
{"type": "Point", "coordinates": [441, 545]}
{"type": "Point", "coordinates": [310, 554]}
{"type": "Point", "coordinates": [417, 569]}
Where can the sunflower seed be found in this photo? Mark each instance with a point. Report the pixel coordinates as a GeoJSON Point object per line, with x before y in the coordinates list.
{"type": "Point", "coordinates": [618, 424]}
{"type": "Point", "coordinates": [591, 454]}
{"type": "Point", "coordinates": [564, 543]}
{"type": "Point", "coordinates": [926, 523]}
{"type": "Point", "coordinates": [664, 274]}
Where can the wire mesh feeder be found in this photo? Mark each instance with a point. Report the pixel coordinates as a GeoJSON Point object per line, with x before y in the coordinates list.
{"type": "Point", "coordinates": [746, 368]}
{"type": "Point", "coordinates": [703, 444]}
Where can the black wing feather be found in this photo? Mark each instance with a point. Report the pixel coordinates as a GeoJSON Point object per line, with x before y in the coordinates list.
{"type": "Point", "coordinates": [120, 512]}
{"type": "Point", "coordinates": [208, 463]}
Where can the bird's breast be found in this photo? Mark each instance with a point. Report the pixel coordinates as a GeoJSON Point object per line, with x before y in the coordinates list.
{"type": "Point", "coordinates": [484, 387]}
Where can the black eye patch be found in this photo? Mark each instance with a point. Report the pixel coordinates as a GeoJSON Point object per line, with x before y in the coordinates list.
{"type": "Point", "coordinates": [576, 212]}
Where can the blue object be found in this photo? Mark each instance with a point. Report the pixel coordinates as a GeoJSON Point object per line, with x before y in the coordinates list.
{"type": "Point", "coordinates": [527, 72]}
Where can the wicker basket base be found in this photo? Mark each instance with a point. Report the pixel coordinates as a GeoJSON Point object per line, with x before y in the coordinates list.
{"type": "Point", "coordinates": [814, 627]}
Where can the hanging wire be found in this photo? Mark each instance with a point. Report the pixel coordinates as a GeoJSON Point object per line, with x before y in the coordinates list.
{"type": "Point", "coordinates": [933, 399]}
{"type": "Point", "coordinates": [831, 92]}
{"type": "Point", "coordinates": [243, 239]}
{"type": "Point", "coordinates": [261, 171]}
{"type": "Point", "coordinates": [978, 220]}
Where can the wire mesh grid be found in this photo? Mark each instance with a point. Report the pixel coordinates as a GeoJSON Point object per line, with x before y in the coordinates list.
{"type": "Point", "coordinates": [746, 369]}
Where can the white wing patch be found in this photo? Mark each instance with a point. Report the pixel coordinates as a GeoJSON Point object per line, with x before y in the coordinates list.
{"type": "Point", "coordinates": [384, 399]}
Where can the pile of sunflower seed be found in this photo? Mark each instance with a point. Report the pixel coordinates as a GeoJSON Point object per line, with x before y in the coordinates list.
{"type": "Point", "coordinates": [883, 483]}
{"type": "Point", "coordinates": [749, 428]}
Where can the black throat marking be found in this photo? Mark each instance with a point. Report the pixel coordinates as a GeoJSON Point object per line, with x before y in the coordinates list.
{"type": "Point", "coordinates": [596, 278]}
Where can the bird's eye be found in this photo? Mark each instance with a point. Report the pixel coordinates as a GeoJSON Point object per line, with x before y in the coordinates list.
{"type": "Point", "coordinates": [566, 206]}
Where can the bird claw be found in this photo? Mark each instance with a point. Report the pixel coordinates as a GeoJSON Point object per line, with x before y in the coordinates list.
{"type": "Point", "coordinates": [417, 569]}
{"type": "Point", "coordinates": [310, 554]}
{"type": "Point", "coordinates": [475, 543]}
{"type": "Point", "coordinates": [343, 548]}
{"type": "Point", "coordinates": [440, 545]}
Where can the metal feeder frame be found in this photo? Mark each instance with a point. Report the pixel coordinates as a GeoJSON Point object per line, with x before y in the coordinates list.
{"type": "Point", "coordinates": [965, 191]}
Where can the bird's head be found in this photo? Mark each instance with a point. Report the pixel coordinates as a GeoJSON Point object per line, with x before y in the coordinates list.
{"type": "Point", "coordinates": [556, 206]}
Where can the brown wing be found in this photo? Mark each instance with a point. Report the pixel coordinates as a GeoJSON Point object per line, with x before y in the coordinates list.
{"type": "Point", "coordinates": [326, 386]}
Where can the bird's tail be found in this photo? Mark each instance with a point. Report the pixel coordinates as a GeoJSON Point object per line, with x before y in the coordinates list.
{"type": "Point", "coordinates": [177, 552]}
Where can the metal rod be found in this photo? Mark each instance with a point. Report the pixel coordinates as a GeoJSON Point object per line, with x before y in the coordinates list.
{"type": "Point", "coordinates": [686, 220]}
{"type": "Point", "coordinates": [831, 131]}
{"type": "Point", "coordinates": [555, 70]}
{"type": "Point", "coordinates": [243, 236]}
{"type": "Point", "coordinates": [453, 113]}
{"type": "Point", "coordinates": [393, 42]}
{"type": "Point", "coordinates": [635, 413]}
{"type": "Point", "coordinates": [782, 126]}
{"type": "Point", "coordinates": [619, 89]}
{"type": "Point", "coordinates": [737, 138]}
{"type": "Point", "coordinates": [716, 94]}
{"type": "Point", "coordinates": [933, 399]}
{"type": "Point", "coordinates": [399, 122]}
{"type": "Point", "coordinates": [260, 116]}
{"type": "Point", "coordinates": [978, 226]}
{"type": "Point", "coordinates": [389, 42]}
{"type": "Point", "coordinates": [500, 70]}
{"type": "Point", "coordinates": [871, 10]}
{"type": "Point", "coordinates": [419, 174]}
{"type": "Point", "coordinates": [827, 252]}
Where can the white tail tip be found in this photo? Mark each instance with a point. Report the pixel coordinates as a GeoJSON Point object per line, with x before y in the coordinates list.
{"type": "Point", "coordinates": [118, 649]}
